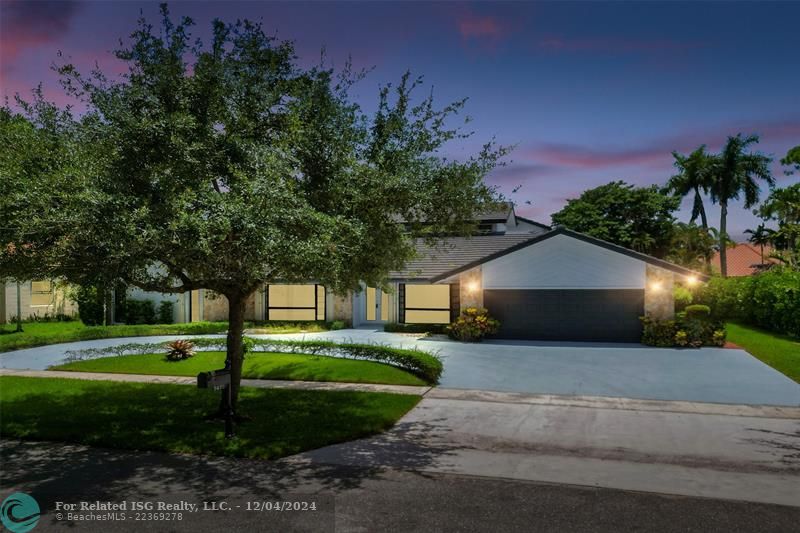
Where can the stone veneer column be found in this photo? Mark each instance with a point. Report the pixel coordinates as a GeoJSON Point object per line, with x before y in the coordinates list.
{"type": "Point", "coordinates": [471, 298]}
{"type": "Point", "coordinates": [659, 301]}
{"type": "Point", "coordinates": [342, 307]}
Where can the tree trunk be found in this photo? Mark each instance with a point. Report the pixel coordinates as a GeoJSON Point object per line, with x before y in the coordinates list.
{"type": "Point", "coordinates": [235, 348]}
{"type": "Point", "coordinates": [701, 208]}
{"type": "Point", "coordinates": [723, 251]}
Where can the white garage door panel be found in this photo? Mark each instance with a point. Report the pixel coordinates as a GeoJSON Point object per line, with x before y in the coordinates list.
{"type": "Point", "coordinates": [563, 262]}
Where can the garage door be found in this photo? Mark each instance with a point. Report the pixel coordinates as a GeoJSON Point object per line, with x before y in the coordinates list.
{"type": "Point", "coordinates": [577, 315]}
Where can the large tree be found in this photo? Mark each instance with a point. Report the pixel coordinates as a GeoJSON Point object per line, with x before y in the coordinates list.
{"type": "Point", "coordinates": [636, 217]}
{"type": "Point", "coordinates": [227, 165]}
{"type": "Point", "coordinates": [692, 178]}
{"type": "Point", "coordinates": [792, 160]}
{"type": "Point", "coordinates": [783, 206]}
{"type": "Point", "coordinates": [735, 171]}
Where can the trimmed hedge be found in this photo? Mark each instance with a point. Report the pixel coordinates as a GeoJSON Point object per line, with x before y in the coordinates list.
{"type": "Point", "coordinates": [394, 327]}
{"type": "Point", "coordinates": [424, 365]}
{"type": "Point", "coordinates": [685, 331]}
{"type": "Point", "coordinates": [770, 300]}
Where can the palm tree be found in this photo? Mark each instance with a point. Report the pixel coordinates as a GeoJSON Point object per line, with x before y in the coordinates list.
{"type": "Point", "coordinates": [732, 172]}
{"type": "Point", "coordinates": [692, 176]}
{"type": "Point", "coordinates": [761, 236]}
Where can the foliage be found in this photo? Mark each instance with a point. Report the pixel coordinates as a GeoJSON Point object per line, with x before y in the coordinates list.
{"type": "Point", "coordinates": [472, 325]}
{"type": "Point", "coordinates": [792, 159]}
{"type": "Point", "coordinates": [394, 327]}
{"type": "Point", "coordinates": [692, 178]}
{"type": "Point", "coordinates": [735, 172]}
{"type": "Point", "coordinates": [682, 296]}
{"type": "Point", "coordinates": [179, 350]}
{"type": "Point", "coordinates": [761, 237]}
{"type": "Point", "coordinates": [691, 246]}
{"type": "Point", "coordinates": [425, 365]}
{"type": "Point", "coordinates": [288, 326]}
{"type": "Point", "coordinates": [698, 311]}
{"type": "Point", "coordinates": [336, 325]}
{"type": "Point", "coordinates": [685, 330]}
{"type": "Point", "coordinates": [783, 205]}
{"type": "Point", "coordinates": [227, 164]}
{"type": "Point", "coordinates": [635, 217]}
{"type": "Point", "coordinates": [90, 304]}
{"type": "Point", "coordinates": [170, 418]}
{"type": "Point", "coordinates": [770, 300]}
{"type": "Point", "coordinates": [140, 311]}
{"type": "Point", "coordinates": [257, 365]}
{"type": "Point", "coordinates": [166, 312]}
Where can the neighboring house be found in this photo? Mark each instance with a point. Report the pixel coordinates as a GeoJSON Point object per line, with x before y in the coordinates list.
{"type": "Point", "coordinates": [541, 283]}
{"type": "Point", "coordinates": [745, 260]}
{"type": "Point", "coordinates": [36, 299]}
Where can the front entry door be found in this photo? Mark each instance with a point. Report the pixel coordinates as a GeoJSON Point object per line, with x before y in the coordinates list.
{"type": "Point", "coordinates": [376, 306]}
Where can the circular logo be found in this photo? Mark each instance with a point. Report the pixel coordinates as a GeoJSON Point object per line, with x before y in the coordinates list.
{"type": "Point", "coordinates": [19, 513]}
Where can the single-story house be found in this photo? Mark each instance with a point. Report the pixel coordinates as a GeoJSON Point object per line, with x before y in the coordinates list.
{"type": "Point", "coordinates": [539, 282]}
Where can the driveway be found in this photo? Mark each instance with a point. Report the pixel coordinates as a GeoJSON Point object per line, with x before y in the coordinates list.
{"type": "Point", "coordinates": [713, 375]}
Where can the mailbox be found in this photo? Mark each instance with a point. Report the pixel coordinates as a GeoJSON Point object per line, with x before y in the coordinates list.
{"type": "Point", "coordinates": [216, 379]}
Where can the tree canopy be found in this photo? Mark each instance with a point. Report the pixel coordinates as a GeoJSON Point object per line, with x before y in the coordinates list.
{"type": "Point", "coordinates": [636, 217]}
{"type": "Point", "coordinates": [226, 165]}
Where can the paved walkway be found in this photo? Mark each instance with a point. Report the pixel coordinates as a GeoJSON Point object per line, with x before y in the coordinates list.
{"type": "Point", "coordinates": [710, 375]}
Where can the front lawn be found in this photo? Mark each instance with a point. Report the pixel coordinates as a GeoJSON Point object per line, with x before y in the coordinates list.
{"type": "Point", "coordinates": [257, 365]}
{"type": "Point", "coordinates": [778, 351]}
{"type": "Point", "coordinates": [169, 418]}
{"type": "Point", "coordinates": [42, 333]}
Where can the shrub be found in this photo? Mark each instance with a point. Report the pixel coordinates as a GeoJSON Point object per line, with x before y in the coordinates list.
{"type": "Point", "coordinates": [698, 311]}
{"type": "Point", "coordinates": [691, 328]}
{"type": "Point", "coordinates": [337, 324]}
{"type": "Point", "coordinates": [165, 311]}
{"type": "Point", "coordinates": [683, 297]}
{"type": "Point", "coordinates": [140, 312]}
{"type": "Point", "coordinates": [394, 327]}
{"type": "Point", "coordinates": [90, 305]}
{"type": "Point", "coordinates": [473, 325]}
{"type": "Point", "coordinates": [770, 300]}
{"type": "Point", "coordinates": [179, 350]}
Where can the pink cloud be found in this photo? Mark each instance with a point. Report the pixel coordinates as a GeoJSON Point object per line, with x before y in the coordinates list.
{"type": "Point", "coordinates": [30, 24]}
{"type": "Point", "coordinates": [472, 26]}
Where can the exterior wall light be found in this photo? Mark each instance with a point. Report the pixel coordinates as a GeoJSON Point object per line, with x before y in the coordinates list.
{"type": "Point", "coordinates": [656, 286]}
{"type": "Point", "coordinates": [691, 280]}
{"type": "Point", "coordinates": [473, 286]}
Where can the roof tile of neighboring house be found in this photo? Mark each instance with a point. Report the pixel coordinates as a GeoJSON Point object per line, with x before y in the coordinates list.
{"type": "Point", "coordinates": [743, 259]}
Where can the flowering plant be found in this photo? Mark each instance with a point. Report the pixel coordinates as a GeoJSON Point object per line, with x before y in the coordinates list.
{"type": "Point", "coordinates": [473, 325]}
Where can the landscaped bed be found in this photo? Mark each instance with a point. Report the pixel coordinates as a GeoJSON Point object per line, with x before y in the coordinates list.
{"type": "Point", "coordinates": [170, 417]}
{"type": "Point", "coordinates": [781, 352]}
{"type": "Point", "coordinates": [257, 365]}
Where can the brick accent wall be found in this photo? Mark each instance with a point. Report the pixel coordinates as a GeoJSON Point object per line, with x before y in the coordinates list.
{"type": "Point", "coordinates": [659, 301]}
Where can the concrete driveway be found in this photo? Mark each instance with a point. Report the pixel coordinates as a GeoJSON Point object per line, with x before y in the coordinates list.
{"type": "Point", "coordinates": [621, 370]}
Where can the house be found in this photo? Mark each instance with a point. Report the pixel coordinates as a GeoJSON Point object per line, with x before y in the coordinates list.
{"type": "Point", "coordinates": [36, 299]}
{"type": "Point", "coordinates": [540, 282]}
{"type": "Point", "coordinates": [745, 259]}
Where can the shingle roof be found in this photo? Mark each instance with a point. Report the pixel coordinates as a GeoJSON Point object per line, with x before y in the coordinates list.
{"type": "Point", "coordinates": [743, 259]}
{"type": "Point", "coordinates": [454, 252]}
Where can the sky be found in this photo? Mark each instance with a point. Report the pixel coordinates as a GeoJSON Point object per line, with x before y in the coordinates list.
{"type": "Point", "coordinates": [586, 92]}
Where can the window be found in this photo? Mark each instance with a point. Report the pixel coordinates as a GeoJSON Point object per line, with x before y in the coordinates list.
{"type": "Point", "coordinates": [427, 304]}
{"type": "Point", "coordinates": [295, 302]}
{"type": "Point", "coordinates": [41, 293]}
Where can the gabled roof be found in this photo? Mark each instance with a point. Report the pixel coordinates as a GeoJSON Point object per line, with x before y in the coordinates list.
{"type": "Point", "coordinates": [575, 235]}
{"type": "Point", "coordinates": [744, 259]}
{"type": "Point", "coordinates": [538, 224]}
{"type": "Point", "coordinates": [454, 252]}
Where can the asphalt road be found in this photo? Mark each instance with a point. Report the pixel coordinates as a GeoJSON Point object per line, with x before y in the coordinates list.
{"type": "Point", "coordinates": [347, 498]}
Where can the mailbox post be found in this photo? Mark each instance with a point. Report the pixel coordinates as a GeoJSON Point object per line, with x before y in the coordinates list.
{"type": "Point", "coordinates": [216, 380]}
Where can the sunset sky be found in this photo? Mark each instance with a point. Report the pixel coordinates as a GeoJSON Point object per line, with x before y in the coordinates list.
{"type": "Point", "coordinates": [588, 92]}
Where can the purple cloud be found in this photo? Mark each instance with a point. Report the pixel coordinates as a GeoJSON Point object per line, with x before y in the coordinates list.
{"type": "Point", "coordinates": [31, 24]}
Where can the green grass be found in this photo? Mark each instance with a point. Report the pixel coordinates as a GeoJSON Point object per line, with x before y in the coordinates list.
{"type": "Point", "coordinates": [778, 351]}
{"type": "Point", "coordinates": [257, 365]}
{"type": "Point", "coordinates": [42, 333]}
{"type": "Point", "coordinates": [170, 417]}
